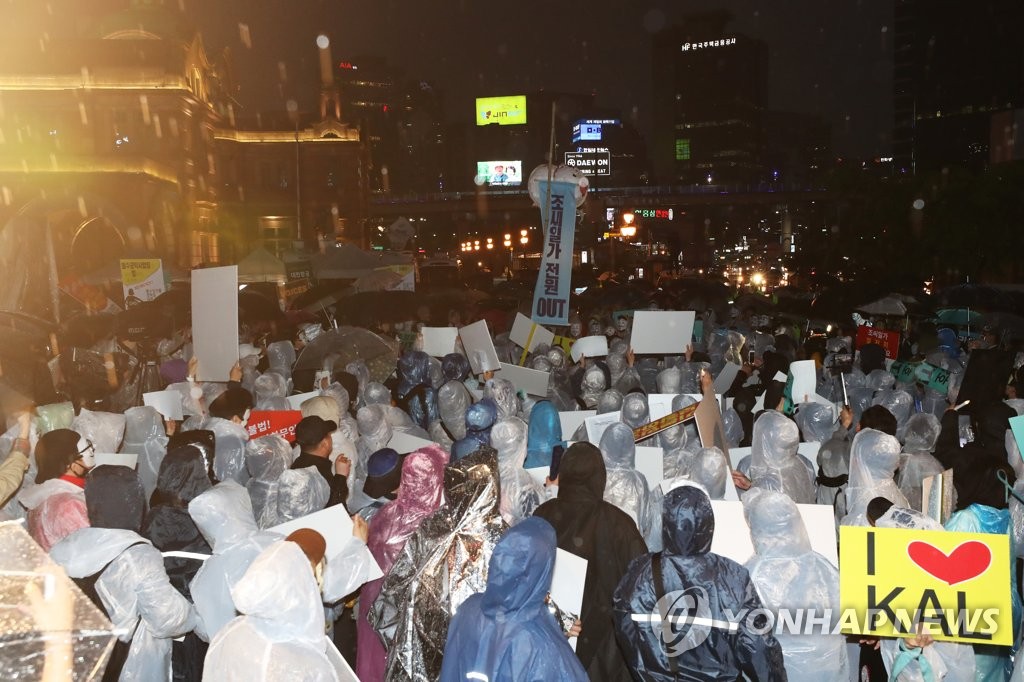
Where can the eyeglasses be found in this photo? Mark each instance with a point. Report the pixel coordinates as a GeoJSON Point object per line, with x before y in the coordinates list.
{"type": "Point", "coordinates": [89, 447]}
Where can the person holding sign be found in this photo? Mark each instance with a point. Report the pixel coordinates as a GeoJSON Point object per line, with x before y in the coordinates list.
{"type": "Point", "coordinates": [313, 435]}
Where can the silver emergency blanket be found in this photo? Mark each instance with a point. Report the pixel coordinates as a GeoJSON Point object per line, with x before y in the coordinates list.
{"type": "Point", "coordinates": [442, 564]}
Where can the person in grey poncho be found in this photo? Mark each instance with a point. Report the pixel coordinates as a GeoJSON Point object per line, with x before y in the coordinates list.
{"type": "Point", "coordinates": [441, 565]}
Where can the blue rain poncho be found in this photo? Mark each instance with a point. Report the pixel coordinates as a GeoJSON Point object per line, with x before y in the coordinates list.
{"type": "Point", "coordinates": [480, 417]}
{"type": "Point", "coordinates": [544, 433]}
{"type": "Point", "coordinates": [508, 634]}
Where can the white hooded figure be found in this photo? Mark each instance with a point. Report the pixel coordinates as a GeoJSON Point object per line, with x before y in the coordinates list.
{"type": "Point", "coordinates": [625, 487]}
{"type": "Point", "coordinates": [224, 516]}
{"type": "Point", "coordinates": [917, 463]}
{"type": "Point", "coordinates": [520, 493]}
{"type": "Point", "coordinates": [874, 457]}
{"type": "Point", "coordinates": [670, 380]}
{"type": "Point", "coordinates": [229, 453]}
{"type": "Point", "coordinates": [104, 429]}
{"type": "Point", "coordinates": [503, 393]}
{"type": "Point", "coordinates": [145, 436]}
{"type": "Point", "coordinates": [300, 492]}
{"type": "Point", "coordinates": [710, 469]}
{"type": "Point", "coordinates": [280, 632]}
{"type": "Point", "coordinates": [775, 463]}
{"type": "Point", "coordinates": [266, 459]}
{"type": "Point", "coordinates": [787, 573]}
{"type": "Point", "coordinates": [375, 432]}
{"type": "Point", "coordinates": [900, 404]}
{"type": "Point", "coordinates": [270, 389]}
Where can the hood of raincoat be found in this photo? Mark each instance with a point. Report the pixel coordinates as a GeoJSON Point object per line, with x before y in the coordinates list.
{"type": "Point", "coordinates": [281, 594]}
{"type": "Point", "coordinates": [456, 367]}
{"type": "Point", "coordinates": [266, 458]}
{"type": "Point", "coordinates": [618, 447]}
{"type": "Point", "coordinates": [87, 551]}
{"type": "Point", "coordinates": [816, 422]}
{"type": "Point", "coordinates": [776, 528]}
{"type": "Point", "coordinates": [669, 380]}
{"type": "Point", "coordinates": [921, 433]}
{"type": "Point", "coordinates": [874, 457]}
{"type": "Point", "coordinates": [688, 522]}
{"type": "Point", "coordinates": [543, 434]}
{"type": "Point", "coordinates": [115, 498]}
{"type": "Point", "coordinates": [142, 424]}
{"type": "Point", "coordinates": [104, 429]}
{"type": "Point", "coordinates": [520, 571]}
{"type": "Point", "coordinates": [635, 412]}
{"type": "Point", "coordinates": [582, 475]}
{"type": "Point", "coordinates": [453, 400]}
{"type": "Point", "coordinates": [268, 386]}
{"type": "Point", "coordinates": [710, 469]}
{"type": "Point", "coordinates": [418, 497]}
{"type": "Point", "coordinates": [899, 403]}
{"type": "Point", "coordinates": [472, 485]}
{"type": "Point", "coordinates": [609, 401]}
{"type": "Point", "coordinates": [676, 436]}
{"type": "Point", "coordinates": [374, 427]}
{"type": "Point", "coordinates": [376, 393]}
{"type": "Point", "coordinates": [480, 417]}
{"type": "Point", "coordinates": [508, 437]}
{"type": "Point", "coordinates": [413, 371]}
{"type": "Point", "coordinates": [182, 478]}
{"type": "Point", "coordinates": [503, 393]}
{"type": "Point", "coordinates": [327, 407]}
{"type": "Point", "coordinates": [223, 515]}
{"type": "Point", "coordinates": [775, 463]}
{"type": "Point", "coordinates": [300, 493]}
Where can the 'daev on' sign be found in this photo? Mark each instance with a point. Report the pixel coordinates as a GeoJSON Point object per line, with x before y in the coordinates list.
{"type": "Point", "coordinates": [952, 586]}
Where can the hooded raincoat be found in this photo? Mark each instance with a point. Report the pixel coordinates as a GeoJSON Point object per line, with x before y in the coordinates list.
{"type": "Point", "coordinates": [280, 633]}
{"type": "Point", "coordinates": [229, 454]}
{"type": "Point", "coordinates": [917, 462]}
{"type": "Point", "coordinates": [775, 463]}
{"type": "Point", "coordinates": [874, 457]}
{"type": "Point", "coordinates": [520, 493]}
{"type": "Point", "coordinates": [416, 395]}
{"type": "Point", "coordinates": [508, 634]}
{"type": "Point", "coordinates": [442, 564]}
{"type": "Point", "coordinates": [266, 459]}
{"type": "Point", "coordinates": [480, 417]}
{"type": "Point", "coordinates": [789, 574]}
{"type": "Point", "coordinates": [626, 488]}
{"type": "Point", "coordinates": [503, 393]}
{"type": "Point", "coordinates": [145, 436]}
{"type": "Point", "coordinates": [453, 400]}
{"type": "Point", "coordinates": [544, 433]}
{"type": "Point", "coordinates": [713, 584]}
{"type": "Point", "coordinates": [608, 539]}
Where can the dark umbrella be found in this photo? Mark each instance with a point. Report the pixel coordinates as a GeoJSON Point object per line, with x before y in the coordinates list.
{"type": "Point", "coordinates": [371, 307]}
{"type": "Point", "coordinates": [321, 296]}
{"type": "Point", "coordinates": [1007, 325]}
{"type": "Point", "coordinates": [976, 296]}
{"type": "Point", "coordinates": [255, 307]}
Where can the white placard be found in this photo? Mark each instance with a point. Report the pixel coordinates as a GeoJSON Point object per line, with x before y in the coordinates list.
{"type": "Point", "coordinates": [571, 421]}
{"type": "Point", "coordinates": [723, 382]}
{"type": "Point", "coordinates": [439, 341]}
{"type": "Point", "coordinates": [589, 347]}
{"type": "Point", "coordinates": [732, 535]}
{"type": "Point", "coordinates": [403, 443]}
{"type": "Point", "coordinates": [532, 381]}
{"type": "Point", "coordinates": [662, 332]}
{"type": "Point", "coordinates": [539, 474]}
{"type": "Point", "coordinates": [780, 377]}
{"type": "Point", "coordinates": [295, 401]}
{"type": "Point", "coordinates": [167, 403]}
{"type": "Point", "coordinates": [479, 347]}
{"type": "Point", "coordinates": [333, 523]}
{"type": "Point", "coordinates": [567, 581]}
{"type": "Point", "coordinates": [650, 463]}
{"type": "Point", "coordinates": [215, 321]}
{"type": "Point", "coordinates": [597, 424]}
{"type": "Point", "coordinates": [528, 334]}
{"type": "Point", "coordinates": [660, 404]}
{"type": "Point", "coordinates": [124, 459]}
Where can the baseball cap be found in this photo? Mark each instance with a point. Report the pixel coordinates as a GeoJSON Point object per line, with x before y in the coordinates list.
{"type": "Point", "coordinates": [383, 472]}
{"type": "Point", "coordinates": [311, 430]}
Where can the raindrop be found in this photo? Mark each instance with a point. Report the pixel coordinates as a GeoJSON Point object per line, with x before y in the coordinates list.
{"type": "Point", "coordinates": [7, 196]}
{"type": "Point", "coordinates": [157, 129]}
{"type": "Point", "coordinates": [282, 72]}
{"type": "Point", "coordinates": [82, 209]}
{"type": "Point", "coordinates": [244, 35]}
{"type": "Point", "coordinates": [144, 103]}
{"type": "Point", "coordinates": [82, 114]}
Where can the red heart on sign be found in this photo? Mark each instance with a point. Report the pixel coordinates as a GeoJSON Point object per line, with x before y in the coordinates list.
{"type": "Point", "coordinates": [969, 560]}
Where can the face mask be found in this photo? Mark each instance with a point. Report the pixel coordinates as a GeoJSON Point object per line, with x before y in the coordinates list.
{"type": "Point", "coordinates": [622, 324]}
{"type": "Point", "coordinates": [87, 452]}
{"type": "Point", "coordinates": [575, 328]}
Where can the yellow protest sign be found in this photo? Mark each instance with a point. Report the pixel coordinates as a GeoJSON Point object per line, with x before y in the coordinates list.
{"type": "Point", "coordinates": [142, 279]}
{"type": "Point", "coordinates": [952, 586]}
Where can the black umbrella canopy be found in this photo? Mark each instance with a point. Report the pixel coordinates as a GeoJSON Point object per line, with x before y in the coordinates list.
{"type": "Point", "coordinates": [321, 296]}
{"type": "Point", "coordinates": [368, 308]}
{"type": "Point", "coordinates": [1006, 325]}
{"type": "Point", "coordinates": [978, 297]}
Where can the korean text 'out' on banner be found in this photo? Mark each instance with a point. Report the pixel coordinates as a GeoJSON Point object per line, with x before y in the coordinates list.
{"type": "Point", "coordinates": [558, 216]}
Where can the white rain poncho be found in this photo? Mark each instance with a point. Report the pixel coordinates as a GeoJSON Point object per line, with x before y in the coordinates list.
{"type": "Point", "coordinates": [917, 462]}
{"type": "Point", "coordinates": [775, 463]}
{"type": "Point", "coordinates": [453, 399]}
{"type": "Point", "coordinates": [789, 574]}
{"type": "Point", "coordinates": [733, 427]}
{"type": "Point", "coordinates": [635, 412]}
{"type": "Point", "coordinates": [136, 594]}
{"type": "Point", "coordinates": [361, 372]}
{"type": "Point", "coordinates": [669, 380]}
{"type": "Point", "coordinates": [689, 376]}
{"type": "Point", "coordinates": [266, 459]}
{"type": "Point", "coordinates": [520, 494]}
{"type": "Point", "coordinates": [229, 453]}
{"type": "Point", "coordinates": [503, 393]}
{"type": "Point", "coordinates": [375, 432]}
{"type": "Point", "coordinates": [224, 516]}
{"type": "Point", "coordinates": [401, 422]}
{"type": "Point", "coordinates": [376, 394]}
{"type": "Point", "coordinates": [594, 383]}
{"type": "Point", "coordinates": [610, 401]}
{"type": "Point", "coordinates": [145, 436]}
{"type": "Point", "coordinates": [337, 393]}
{"type": "Point", "coordinates": [710, 470]}
{"type": "Point", "coordinates": [900, 404]}
{"type": "Point", "coordinates": [280, 357]}
{"type": "Point", "coordinates": [300, 492]}
{"type": "Point", "coordinates": [104, 429]}
{"type": "Point", "coordinates": [281, 629]}
{"type": "Point", "coordinates": [54, 416]}
{"type": "Point", "coordinates": [269, 391]}
{"type": "Point", "coordinates": [626, 487]}
{"type": "Point", "coordinates": [679, 435]}
{"type": "Point", "coordinates": [874, 457]}
{"type": "Point", "coordinates": [327, 407]}
{"type": "Point", "coordinates": [817, 422]}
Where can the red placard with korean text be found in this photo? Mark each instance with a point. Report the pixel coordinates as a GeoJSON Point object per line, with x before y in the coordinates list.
{"type": "Point", "coordinates": [273, 423]}
{"type": "Point", "coordinates": [888, 340]}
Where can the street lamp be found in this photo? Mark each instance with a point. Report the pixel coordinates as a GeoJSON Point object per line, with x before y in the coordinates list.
{"type": "Point", "coordinates": [524, 239]}
{"type": "Point", "coordinates": [628, 229]}
{"type": "Point", "coordinates": [507, 243]}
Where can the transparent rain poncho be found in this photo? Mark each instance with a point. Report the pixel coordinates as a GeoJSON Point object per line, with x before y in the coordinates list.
{"type": "Point", "coordinates": [229, 453]}
{"type": "Point", "coordinates": [624, 377]}
{"type": "Point", "coordinates": [900, 404]}
{"type": "Point", "coordinates": [55, 416]}
{"type": "Point", "coordinates": [626, 487]}
{"type": "Point", "coordinates": [415, 393]}
{"type": "Point", "coordinates": [816, 421]}
{"type": "Point", "coordinates": [269, 391]}
{"type": "Point", "coordinates": [280, 357]}
{"type": "Point", "coordinates": [104, 429]}
{"type": "Point", "coordinates": [689, 376]}
{"type": "Point", "coordinates": [725, 346]}
{"type": "Point", "coordinates": [917, 462]}
{"type": "Point", "coordinates": [300, 492]}
{"type": "Point", "coordinates": [635, 411]}
{"type": "Point", "coordinates": [480, 417]}
{"type": "Point", "coordinates": [733, 427]}
{"type": "Point", "coordinates": [1013, 455]}
{"type": "Point", "coordinates": [436, 374]}
{"type": "Point", "coordinates": [401, 422]}
{"type": "Point", "coordinates": [361, 372]}
{"type": "Point", "coordinates": [879, 379]}
{"type": "Point", "coordinates": [544, 434]}
{"type": "Point", "coordinates": [281, 629]}
{"type": "Point", "coordinates": [266, 459]}
{"type": "Point", "coordinates": [24, 645]}
{"type": "Point", "coordinates": [710, 469]}
{"type": "Point", "coordinates": [145, 436]}
{"type": "Point", "coordinates": [375, 432]}
{"type": "Point", "coordinates": [503, 393]}
{"type": "Point", "coordinates": [789, 574]}
{"type": "Point", "coordinates": [775, 463]}
{"type": "Point", "coordinates": [557, 357]}
{"type": "Point", "coordinates": [339, 395]}
{"type": "Point", "coordinates": [681, 434]}
{"type": "Point", "coordinates": [442, 564]}
{"type": "Point", "coordinates": [376, 394]}
{"type": "Point", "coordinates": [453, 400]}
{"type": "Point", "coordinates": [647, 369]}
{"type": "Point", "coordinates": [224, 516]}
{"type": "Point", "coordinates": [610, 401]}
{"type": "Point", "coordinates": [874, 457]}
{"type": "Point", "coordinates": [669, 380]}
{"type": "Point", "coordinates": [520, 493]}
{"type": "Point", "coordinates": [456, 367]}
{"type": "Point", "coordinates": [594, 383]}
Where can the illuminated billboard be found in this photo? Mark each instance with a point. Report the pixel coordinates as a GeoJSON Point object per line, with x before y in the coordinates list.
{"type": "Point", "coordinates": [499, 173]}
{"type": "Point", "coordinates": [504, 111]}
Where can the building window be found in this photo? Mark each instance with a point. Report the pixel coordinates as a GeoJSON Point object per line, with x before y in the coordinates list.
{"type": "Point", "coordinates": [683, 149]}
{"type": "Point", "coordinates": [205, 248]}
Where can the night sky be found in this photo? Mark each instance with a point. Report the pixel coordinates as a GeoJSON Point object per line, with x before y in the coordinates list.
{"type": "Point", "coordinates": [833, 58]}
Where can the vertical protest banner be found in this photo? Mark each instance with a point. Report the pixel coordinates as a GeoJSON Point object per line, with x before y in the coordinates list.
{"type": "Point", "coordinates": [142, 280]}
{"type": "Point", "coordinates": [554, 281]}
{"type": "Point", "coordinates": [953, 586]}
{"type": "Point", "coordinates": [215, 321]}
